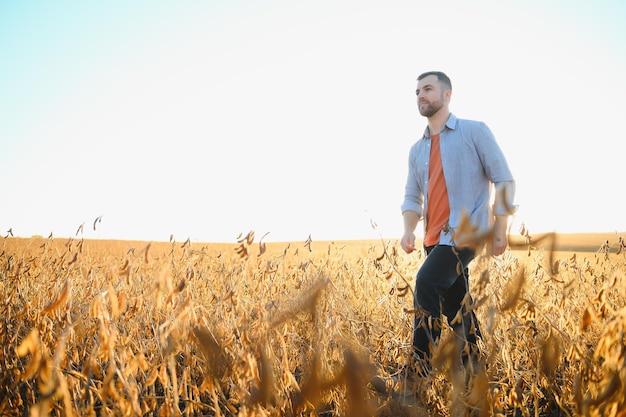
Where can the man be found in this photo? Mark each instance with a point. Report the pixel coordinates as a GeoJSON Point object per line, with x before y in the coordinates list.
{"type": "Point", "coordinates": [452, 170]}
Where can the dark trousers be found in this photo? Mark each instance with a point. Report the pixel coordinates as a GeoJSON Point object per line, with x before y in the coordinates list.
{"type": "Point", "coordinates": [440, 289]}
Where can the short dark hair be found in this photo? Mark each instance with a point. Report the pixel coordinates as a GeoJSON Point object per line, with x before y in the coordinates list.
{"type": "Point", "coordinates": [441, 77]}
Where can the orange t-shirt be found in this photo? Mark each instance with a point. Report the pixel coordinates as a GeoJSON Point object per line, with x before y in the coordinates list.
{"type": "Point", "coordinates": [438, 211]}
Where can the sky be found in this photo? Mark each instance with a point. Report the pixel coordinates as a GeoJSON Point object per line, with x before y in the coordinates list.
{"type": "Point", "coordinates": [207, 119]}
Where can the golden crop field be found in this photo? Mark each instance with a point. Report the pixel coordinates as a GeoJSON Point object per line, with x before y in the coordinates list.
{"type": "Point", "coordinates": [120, 328]}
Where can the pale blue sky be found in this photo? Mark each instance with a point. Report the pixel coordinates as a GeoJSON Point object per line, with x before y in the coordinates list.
{"type": "Point", "coordinates": [204, 119]}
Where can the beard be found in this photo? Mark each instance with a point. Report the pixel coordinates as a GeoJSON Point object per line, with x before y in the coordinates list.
{"type": "Point", "coordinates": [431, 107]}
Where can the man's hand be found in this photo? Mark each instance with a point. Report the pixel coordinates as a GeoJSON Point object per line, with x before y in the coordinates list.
{"type": "Point", "coordinates": [499, 240]}
{"type": "Point", "coordinates": [408, 242]}
{"type": "Point", "coordinates": [410, 219]}
{"type": "Point", "coordinates": [498, 244]}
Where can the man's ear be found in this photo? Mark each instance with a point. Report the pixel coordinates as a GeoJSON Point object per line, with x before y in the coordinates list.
{"type": "Point", "coordinates": [447, 95]}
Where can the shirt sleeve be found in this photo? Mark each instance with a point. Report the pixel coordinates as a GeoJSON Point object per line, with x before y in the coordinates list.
{"type": "Point", "coordinates": [494, 162]}
{"type": "Point", "coordinates": [413, 194]}
{"type": "Point", "coordinates": [496, 168]}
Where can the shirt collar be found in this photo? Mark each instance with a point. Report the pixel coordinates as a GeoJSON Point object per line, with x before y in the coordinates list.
{"type": "Point", "coordinates": [450, 124]}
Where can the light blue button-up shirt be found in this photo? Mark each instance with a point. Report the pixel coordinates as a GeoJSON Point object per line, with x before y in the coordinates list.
{"type": "Point", "coordinates": [472, 162]}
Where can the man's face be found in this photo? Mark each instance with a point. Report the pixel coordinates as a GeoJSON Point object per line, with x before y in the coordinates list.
{"type": "Point", "coordinates": [430, 96]}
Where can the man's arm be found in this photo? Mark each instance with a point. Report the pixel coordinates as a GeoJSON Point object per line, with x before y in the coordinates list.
{"type": "Point", "coordinates": [503, 207]}
{"type": "Point", "coordinates": [411, 219]}
{"type": "Point", "coordinates": [499, 241]}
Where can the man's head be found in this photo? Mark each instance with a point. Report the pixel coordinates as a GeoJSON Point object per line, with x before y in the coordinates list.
{"type": "Point", "coordinates": [434, 90]}
{"type": "Point", "coordinates": [443, 79]}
